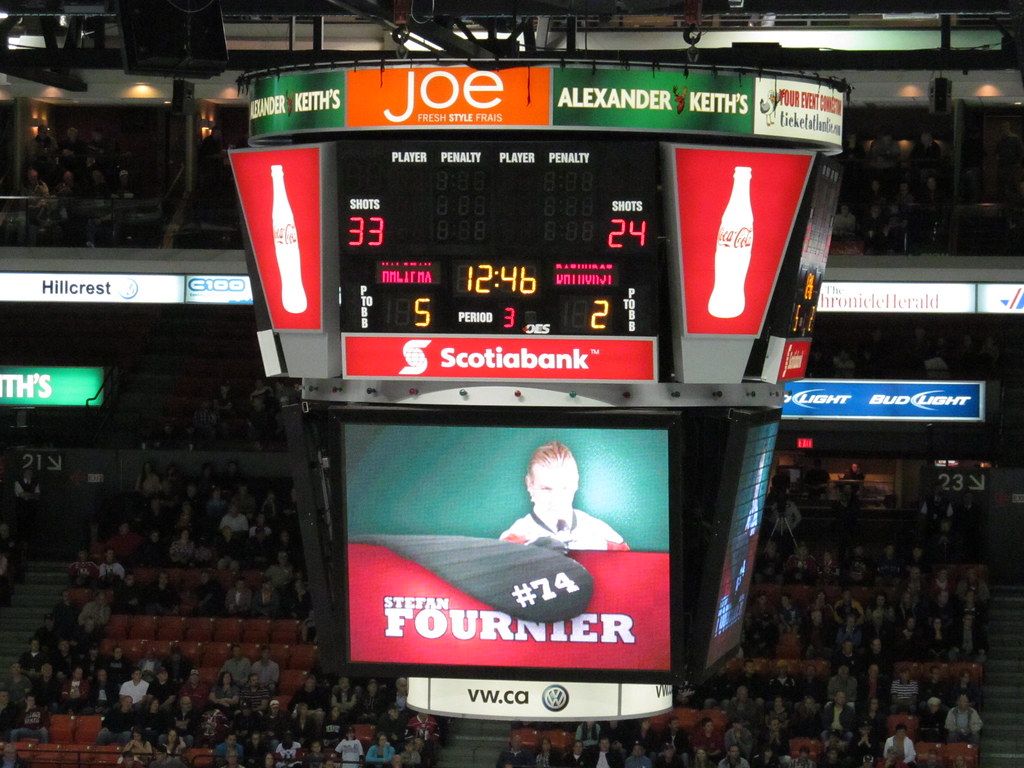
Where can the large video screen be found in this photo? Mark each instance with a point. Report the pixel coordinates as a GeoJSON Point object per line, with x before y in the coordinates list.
{"type": "Point", "coordinates": [516, 547]}
{"type": "Point", "coordinates": [744, 486]}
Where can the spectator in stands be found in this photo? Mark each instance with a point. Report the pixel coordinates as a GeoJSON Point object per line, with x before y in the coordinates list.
{"type": "Point", "coordinates": [134, 688]}
{"type": "Point", "coordinates": [138, 751]}
{"type": "Point", "coordinates": [842, 682]}
{"type": "Point", "coordinates": [709, 740]}
{"type": "Point", "coordinates": [576, 758]}
{"type": "Point", "coordinates": [47, 689]}
{"type": "Point", "coordinates": [351, 749]}
{"type": "Point", "coordinates": [10, 759]}
{"type": "Point", "coordinates": [83, 572]}
{"type": "Point", "coordinates": [185, 720]}
{"type": "Point", "coordinates": [963, 724]}
{"type": "Point", "coordinates": [738, 735]}
{"type": "Point", "coordinates": [210, 594]}
{"type": "Point", "coordinates": [172, 751]}
{"type": "Point", "coordinates": [225, 693]}
{"type": "Point", "coordinates": [238, 601]}
{"type": "Point", "coordinates": [104, 693]}
{"type": "Point", "coordinates": [392, 725]}
{"type": "Point", "coordinates": [75, 690]}
{"type": "Point", "coordinates": [229, 746]}
{"type": "Point", "coordinates": [900, 745]}
{"type": "Point", "coordinates": [31, 722]}
{"type": "Point", "coordinates": [237, 664]}
{"type": "Point", "coordinates": [904, 693]}
{"type": "Point", "coordinates": [733, 759]}
{"type": "Point", "coordinates": [288, 753]}
{"type": "Point", "coordinates": [967, 640]}
{"type": "Point", "coordinates": [267, 602]}
{"type": "Point", "coordinates": [128, 596]}
{"type": "Point", "coordinates": [111, 571]}
{"type": "Point", "coordinates": [637, 758]}
{"type": "Point", "coordinates": [17, 685]}
{"type": "Point", "coordinates": [8, 715]}
{"type": "Point", "coordinates": [381, 752]}
{"type": "Point", "coordinates": [117, 723]}
{"type": "Point", "coordinates": [838, 717]}
{"type": "Point", "coordinates": [177, 666]}
{"type": "Point", "coordinates": [32, 660]}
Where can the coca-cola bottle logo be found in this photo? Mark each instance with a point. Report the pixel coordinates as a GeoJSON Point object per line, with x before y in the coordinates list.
{"type": "Point", "coordinates": [743, 237]}
{"type": "Point", "coordinates": [285, 235]}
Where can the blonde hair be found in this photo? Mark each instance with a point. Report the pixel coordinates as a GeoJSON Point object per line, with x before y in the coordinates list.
{"type": "Point", "coordinates": [551, 453]}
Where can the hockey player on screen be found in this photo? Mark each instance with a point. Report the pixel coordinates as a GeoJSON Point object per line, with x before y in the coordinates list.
{"type": "Point", "coordinates": [552, 479]}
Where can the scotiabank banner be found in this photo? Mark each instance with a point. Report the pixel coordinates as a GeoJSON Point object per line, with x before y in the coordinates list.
{"type": "Point", "coordinates": [734, 213]}
{"type": "Point", "coordinates": [521, 547]}
{"type": "Point", "coordinates": [439, 97]}
{"type": "Point", "coordinates": [499, 358]}
{"type": "Point", "coordinates": [280, 192]}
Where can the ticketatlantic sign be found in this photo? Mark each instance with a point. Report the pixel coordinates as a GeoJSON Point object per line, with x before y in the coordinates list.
{"type": "Point", "coordinates": [722, 101]}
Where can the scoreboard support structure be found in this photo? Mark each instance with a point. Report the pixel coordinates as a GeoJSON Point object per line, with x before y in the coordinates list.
{"type": "Point", "coordinates": [543, 316]}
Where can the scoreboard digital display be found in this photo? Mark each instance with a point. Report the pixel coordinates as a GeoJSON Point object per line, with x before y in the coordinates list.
{"type": "Point", "coordinates": [499, 237]}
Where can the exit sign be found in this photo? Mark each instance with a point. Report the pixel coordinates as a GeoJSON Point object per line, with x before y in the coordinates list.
{"type": "Point", "coordinates": [805, 442]}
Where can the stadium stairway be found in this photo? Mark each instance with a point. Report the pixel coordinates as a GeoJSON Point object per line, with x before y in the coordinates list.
{"type": "Point", "coordinates": [473, 743]}
{"type": "Point", "coordinates": [44, 582]}
{"type": "Point", "coordinates": [1002, 733]}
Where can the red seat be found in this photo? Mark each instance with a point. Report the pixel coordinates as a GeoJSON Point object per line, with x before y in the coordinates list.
{"type": "Point", "coordinates": [87, 727]}
{"type": "Point", "coordinates": [284, 631]}
{"type": "Point", "coordinates": [208, 676]}
{"type": "Point", "coordinates": [117, 627]}
{"type": "Point", "coordinates": [199, 758]}
{"type": "Point", "coordinates": [529, 736]}
{"type": "Point", "coordinates": [146, 576]}
{"type": "Point", "coordinates": [142, 628]}
{"type": "Point", "coordinates": [281, 653]}
{"type": "Point", "coordinates": [290, 681]}
{"type": "Point", "coordinates": [813, 747]}
{"type": "Point", "coordinates": [365, 732]}
{"type": "Point", "coordinates": [958, 668]}
{"type": "Point", "coordinates": [789, 646]}
{"type": "Point", "coordinates": [659, 723]}
{"type": "Point", "coordinates": [159, 648]}
{"type": "Point", "coordinates": [227, 630]}
{"type": "Point", "coordinates": [969, 752]}
{"type": "Point", "coordinates": [191, 650]}
{"type": "Point", "coordinates": [215, 654]}
{"type": "Point", "coordinates": [256, 630]}
{"type": "Point", "coordinates": [62, 728]}
{"type": "Point", "coordinates": [689, 718]}
{"type": "Point", "coordinates": [80, 596]}
{"type": "Point", "coordinates": [924, 747]}
{"type": "Point", "coordinates": [251, 651]}
{"type": "Point", "coordinates": [199, 629]}
{"type": "Point", "coordinates": [107, 645]}
{"type": "Point", "coordinates": [303, 657]}
{"type": "Point", "coordinates": [909, 720]}
{"type": "Point", "coordinates": [170, 628]}
{"type": "Point", "coordinates": [561, 741]}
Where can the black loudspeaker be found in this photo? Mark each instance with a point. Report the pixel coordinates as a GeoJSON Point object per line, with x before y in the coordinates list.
{"type": "Point", "coordinates": [940, 95]}
{"type": "Point", "coordinates": [183, 99]}
{"type": "Point", "coordinates": [183, 38]}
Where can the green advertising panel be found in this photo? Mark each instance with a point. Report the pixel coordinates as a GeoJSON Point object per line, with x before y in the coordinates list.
{"type": "Point", "coordinates": [49, 387]}
{"type": "Point", "coordinates": [296, 102]}
{"type": "Point", "coordinates": [472, 481]}
{"type": "Point", "coordinates": [646, 100]}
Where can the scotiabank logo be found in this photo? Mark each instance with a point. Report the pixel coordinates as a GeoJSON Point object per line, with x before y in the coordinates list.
{"type": "Point", "coordinates": [499, 358]}
{"type": "Point", "coordinates": [437, 96]}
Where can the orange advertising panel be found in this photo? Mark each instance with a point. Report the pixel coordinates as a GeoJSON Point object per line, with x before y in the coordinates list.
{"type": "Point", "coordinates": [448, 96]}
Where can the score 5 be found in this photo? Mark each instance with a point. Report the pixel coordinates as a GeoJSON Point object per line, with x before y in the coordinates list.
{"type": "Point", "coordinates": [366, 230]}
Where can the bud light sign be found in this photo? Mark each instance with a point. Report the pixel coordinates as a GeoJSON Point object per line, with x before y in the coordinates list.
{"type": "Point", "coordinates": [885, 400]}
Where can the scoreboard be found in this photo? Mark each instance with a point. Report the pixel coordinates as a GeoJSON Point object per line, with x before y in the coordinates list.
{"type": "Point", "coordinates": [505, 237]}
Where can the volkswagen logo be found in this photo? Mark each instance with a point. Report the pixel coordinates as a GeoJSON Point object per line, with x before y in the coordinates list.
{"type": "Point", "coordinates": [555, 698]}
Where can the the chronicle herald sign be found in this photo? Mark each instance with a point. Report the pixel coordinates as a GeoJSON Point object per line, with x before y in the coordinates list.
{"type": "Point", "coordinates": [531, 700]}
{"type": "Point", "coordinates": [498, 358]}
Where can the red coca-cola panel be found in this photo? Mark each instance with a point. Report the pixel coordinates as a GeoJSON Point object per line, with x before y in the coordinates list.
{"type": "Point", "coordinates": [284, 221]}
{"type": "Point", "coordinates": [735, 215]}
{"type": "Point", "coordinates": [500, 358]}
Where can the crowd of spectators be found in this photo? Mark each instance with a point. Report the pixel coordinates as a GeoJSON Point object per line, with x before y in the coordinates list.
{"type": "Point", "coordinates": [71, 182]}
{"type": "Point", "coordinates": [895, 195]}
{"type": "Point", "coordinates": [851, 655]}
{"type": "Point", "coordinates": [897, 351]}
{"type": "Point", "coordinates": [223, 546]}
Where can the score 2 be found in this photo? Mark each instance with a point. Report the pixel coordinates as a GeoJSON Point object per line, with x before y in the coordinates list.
{"type": "Point", "coordinates": [622, 228]}
{"type": "Point", "coordinates": [366, 230]}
